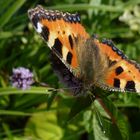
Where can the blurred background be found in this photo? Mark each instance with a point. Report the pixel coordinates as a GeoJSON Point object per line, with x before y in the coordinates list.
{"type": "Point", "coordinates": [43, 114]}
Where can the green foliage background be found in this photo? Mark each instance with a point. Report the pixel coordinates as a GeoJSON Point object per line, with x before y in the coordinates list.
{"type": "Point", "coordinates": [43, 114]}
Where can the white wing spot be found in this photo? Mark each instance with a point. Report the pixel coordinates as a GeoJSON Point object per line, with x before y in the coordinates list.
{"type": "Point", "coordinates": [39, 27]}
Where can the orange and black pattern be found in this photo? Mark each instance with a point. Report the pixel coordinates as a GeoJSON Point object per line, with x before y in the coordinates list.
{"type": "Point", "coordinates": [89, 61]}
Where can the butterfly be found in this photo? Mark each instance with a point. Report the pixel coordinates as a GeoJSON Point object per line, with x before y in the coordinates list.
{"type": "Point", "coordinates": [83, 61]}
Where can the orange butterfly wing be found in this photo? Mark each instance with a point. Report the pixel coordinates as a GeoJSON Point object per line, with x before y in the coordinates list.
{"type": "Point", "coordinates": [101, 62]}
{"type": "Point", "coordinates": [59, 30]}
{"type": "Point", "coordinates": [122, 74]}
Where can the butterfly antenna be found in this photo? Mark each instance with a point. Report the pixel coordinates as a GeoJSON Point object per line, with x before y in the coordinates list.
{"type": "Point", "coordinates": [51, 89]}
{"type": "Point", "coordinates": [62, 89]}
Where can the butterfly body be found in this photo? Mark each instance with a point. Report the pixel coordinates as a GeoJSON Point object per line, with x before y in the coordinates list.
{"type": "Point", "coordinates": [87, 62]}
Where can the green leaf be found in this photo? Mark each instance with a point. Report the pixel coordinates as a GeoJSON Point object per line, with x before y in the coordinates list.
{"type": "Point", "coordinates": [117, 127]}
{"type": "Point", "coordinates": [44, 126]}
{"type": "Point", "coordinates": [136, 136]}
{"type": "Point", "coordinates": [80, 104]}
{"type": "Point", "coordinates": [47, 125]}
{"type": "Point", "coordinates": [15, 6]}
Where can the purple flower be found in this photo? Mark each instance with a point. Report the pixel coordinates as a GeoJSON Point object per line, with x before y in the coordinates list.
{"type": "Point", "coordinates": [22, 78]}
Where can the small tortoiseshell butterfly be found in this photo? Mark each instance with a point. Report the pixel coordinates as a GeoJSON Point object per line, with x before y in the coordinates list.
{"type": "Point", "coordinates": [84, 62]}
